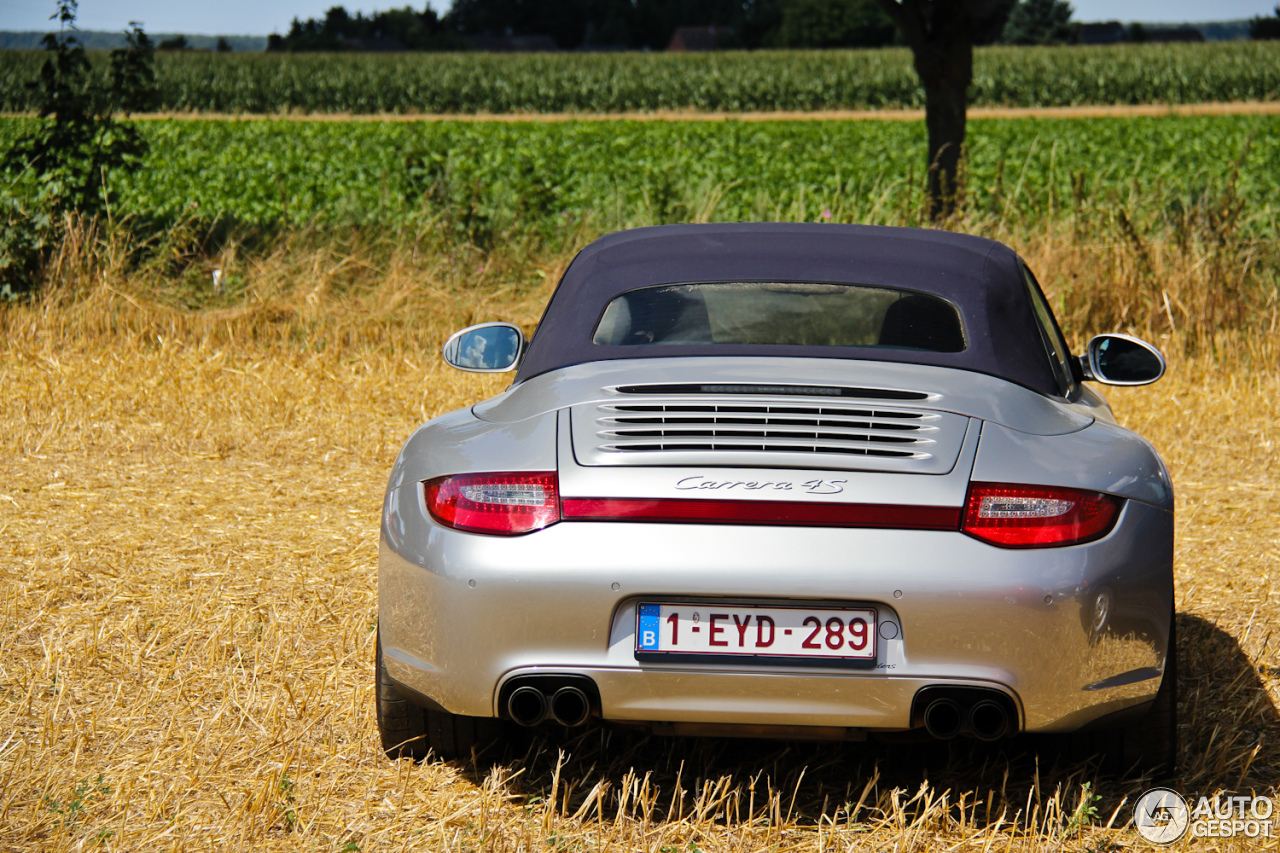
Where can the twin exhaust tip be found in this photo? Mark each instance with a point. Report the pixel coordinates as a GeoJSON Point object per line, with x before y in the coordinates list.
{"type": "Point", "coordinates": [947, 712]}
{"type": "Point", "coordinates": [569, 706]}
{"type": "Point", "coordinates": [985, 719]}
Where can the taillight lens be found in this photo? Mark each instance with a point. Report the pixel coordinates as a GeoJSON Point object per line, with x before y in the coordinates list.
{"type": "Point", "coordinates": [505, 504]}
{"type": "Point", "coordinates": [1014, 516]}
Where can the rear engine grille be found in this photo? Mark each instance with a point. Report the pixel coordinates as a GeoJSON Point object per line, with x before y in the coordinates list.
{"type": "Point", "coordinates": [760, 427]}
{"type": "Point", "coordinates": [672, 388]}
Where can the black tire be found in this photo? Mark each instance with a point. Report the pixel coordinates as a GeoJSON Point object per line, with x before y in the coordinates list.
{"type": "Point", "coordinates": [1151, 744]}
{"type": "Point", "coordinates": [409, 731]}
{"type": "Point", "coordinates": [1148, 746]}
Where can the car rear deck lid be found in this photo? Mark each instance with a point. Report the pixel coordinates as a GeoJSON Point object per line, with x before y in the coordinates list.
{"type": "Point", "coordinates": [742, 428]}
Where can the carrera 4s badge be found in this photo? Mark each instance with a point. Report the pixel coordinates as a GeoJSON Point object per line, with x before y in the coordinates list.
{"type": "Point", "coordinates": [809, 487]}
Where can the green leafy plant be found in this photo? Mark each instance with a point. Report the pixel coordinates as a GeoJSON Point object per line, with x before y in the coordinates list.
{"type": "Point", "coordinates": [476, 180]}
{"type": "Point", "coordinates": [59, 168]}
{"type": "Point", "coordinates": [1086, 812]}
{"type": "Point", "coordinates": [288, 798]}
{"type": "Point", "coordinates": [71, 811]}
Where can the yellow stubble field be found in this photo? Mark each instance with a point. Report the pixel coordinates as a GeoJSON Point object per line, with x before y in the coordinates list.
{"type": "Point", "coordinates": [188, 542]}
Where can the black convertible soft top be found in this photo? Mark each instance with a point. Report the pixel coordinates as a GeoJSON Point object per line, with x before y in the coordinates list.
{"type": "Point", "coordinates": [980, 277]}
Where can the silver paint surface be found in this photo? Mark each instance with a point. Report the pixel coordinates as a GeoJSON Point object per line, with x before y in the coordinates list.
{"type": "Point", "coordinates": [460, 612]}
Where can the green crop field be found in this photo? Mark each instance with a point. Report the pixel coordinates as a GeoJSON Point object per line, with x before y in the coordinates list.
{"type": "Point", "coordinates": [729, 81]}
{"type": "Point", "coordinates": [208, 384]}
{"type": "Point", "coordinates": [488, 178]}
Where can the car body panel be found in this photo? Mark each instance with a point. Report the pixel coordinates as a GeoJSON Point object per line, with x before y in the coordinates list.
{"type": "Point", "coordinates": [948, 389]}
{"type": "Point", "coordinates": [1104, 458]}
{"type": "Point", "coordinates": [462, 611]}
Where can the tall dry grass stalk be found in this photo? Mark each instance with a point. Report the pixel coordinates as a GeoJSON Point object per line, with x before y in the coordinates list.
{"type": "Point", "coordinates": [1193, 278]}
{"type": "Point", "coordinates": [1192, 287]}
{"type": "Point", "coordinates": [188, 535]}
{"type": "Point", "coordinates": [307, 290]}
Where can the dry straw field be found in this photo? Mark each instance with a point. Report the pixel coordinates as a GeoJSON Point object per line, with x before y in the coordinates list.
{"type": "Point", "coordinates": [188, 536]}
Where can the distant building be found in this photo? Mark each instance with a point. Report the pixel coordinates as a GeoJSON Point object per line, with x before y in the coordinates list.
{"type": "Point", "coordinates": [698, 38]}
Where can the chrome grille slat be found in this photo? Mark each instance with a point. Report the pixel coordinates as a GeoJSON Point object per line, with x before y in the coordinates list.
{"type": "Point", "coordinates": [788, 423]}
{"type": "Point", "coordinates": [829, 435]}
{"type": "Point", "coordinates": [773, 411]}
{"type": "Point", "coordinates": [723, 388]}
{"type": "Point", "coordinates": [762, 427]}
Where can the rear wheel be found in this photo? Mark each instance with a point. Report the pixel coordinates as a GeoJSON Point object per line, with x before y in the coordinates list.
{"type": "Point", "coordinates": [1147, 746]}
{"type": "Point", "coordinates": [1151, 744]}
{"type": "Point", "coordinates": [409, 731]}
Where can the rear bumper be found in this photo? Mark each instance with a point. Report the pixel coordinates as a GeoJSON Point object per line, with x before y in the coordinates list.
{"type": "Point", "coordinates": [460, 614]}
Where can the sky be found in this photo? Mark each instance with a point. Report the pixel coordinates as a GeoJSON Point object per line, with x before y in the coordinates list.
{"type": "Point", "coordinates": [262, 17]}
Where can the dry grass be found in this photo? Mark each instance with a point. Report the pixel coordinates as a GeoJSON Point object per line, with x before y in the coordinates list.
{"type": "Point", "coordinates": [188, 535]}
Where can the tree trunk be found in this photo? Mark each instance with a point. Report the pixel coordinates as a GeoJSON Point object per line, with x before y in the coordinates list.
{"type": "Point", "coordinates": [941, 35]}
{"type": "Point", "coordinates": [946, 85]}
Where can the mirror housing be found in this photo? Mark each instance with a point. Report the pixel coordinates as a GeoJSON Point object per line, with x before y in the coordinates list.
{"type": "Point", "coordinates": [1117, 359]}
{"type": "Point", "coordinates": [485, 348]}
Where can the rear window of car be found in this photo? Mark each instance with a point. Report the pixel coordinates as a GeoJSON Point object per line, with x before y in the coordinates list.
{"type": "Point", "coordinates": [781, 313]}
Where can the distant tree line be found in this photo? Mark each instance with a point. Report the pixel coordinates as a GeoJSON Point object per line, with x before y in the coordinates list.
{"type": "Point", "coordinates": [180, 43]}
{"type": "Point", "coordinates": [108, 40]}
{"type": "Point", "coordinates": [395, 29]}
{"type": "Point", "coordinates": [642, 25]}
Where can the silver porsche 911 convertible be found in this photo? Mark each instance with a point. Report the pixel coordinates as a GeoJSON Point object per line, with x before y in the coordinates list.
{"type": "Point", "coordinates": [784, 481]}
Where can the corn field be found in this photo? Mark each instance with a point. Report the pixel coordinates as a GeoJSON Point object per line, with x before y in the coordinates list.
{"type": "Point", "coordinates": [722, 81]}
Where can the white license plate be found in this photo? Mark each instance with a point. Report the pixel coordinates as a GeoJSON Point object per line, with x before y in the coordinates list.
{"type": "Point", "coordinates": [790, 632]}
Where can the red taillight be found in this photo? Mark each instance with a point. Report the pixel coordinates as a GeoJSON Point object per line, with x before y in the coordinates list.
{"type": "Point", "coordinates": [495, 503]}
{"type": "Point", "coordinates": [1014, 516]}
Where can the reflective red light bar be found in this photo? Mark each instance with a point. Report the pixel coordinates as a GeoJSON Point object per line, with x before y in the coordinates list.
{"type": "Point", "coordinates": [1002, 514]}
{"type": "Point", "coordinates": [1017, 516]}
{"type": "Point", "coordinates": [495, 503]}
{"type": "Point", "coordinates": [762, 512]}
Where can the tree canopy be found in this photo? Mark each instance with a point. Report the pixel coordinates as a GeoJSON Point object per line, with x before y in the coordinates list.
{"type": "Point", "coordinates": [833, 23]}
{"type": "Point", "coordinates": [1265, 28]}
{"type": "Point", "coordinates": [1040, 22]}
{"type": "Point", "coordinates": [588, 24]}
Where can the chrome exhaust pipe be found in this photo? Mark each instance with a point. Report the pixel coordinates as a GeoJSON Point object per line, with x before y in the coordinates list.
{"type": "Point", "coordinates": [988, 720]}
{"type": "Point", "coordinates": [943, 719]}
{"type": "Point", "coordinates": [527, 706]}
{"type": "Point", "coordinates": [570, 707]}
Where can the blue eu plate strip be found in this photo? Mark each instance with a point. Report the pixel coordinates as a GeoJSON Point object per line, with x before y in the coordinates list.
{"type": "Point", "coordinates": [647, 630]}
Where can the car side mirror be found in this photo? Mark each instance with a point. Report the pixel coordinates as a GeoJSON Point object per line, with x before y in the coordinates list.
{"type": "Point", "coordinates": [1121, 360]}
{"type": "Point", "coordinates": [486, 348]}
